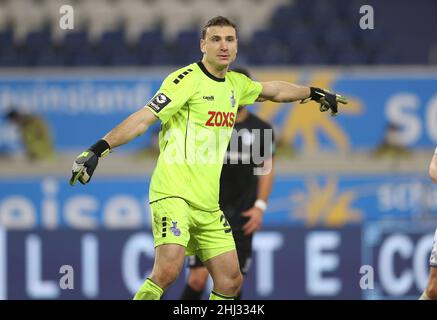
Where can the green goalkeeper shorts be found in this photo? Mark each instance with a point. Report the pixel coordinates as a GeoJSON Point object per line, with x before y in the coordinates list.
{"type": "Point", "coordinates": [203, 233]}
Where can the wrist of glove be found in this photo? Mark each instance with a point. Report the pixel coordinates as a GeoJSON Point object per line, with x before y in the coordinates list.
{"type": "Point", "coordinates": [85, 164]}
{"type": "Point", "coordinates": [326, 99]}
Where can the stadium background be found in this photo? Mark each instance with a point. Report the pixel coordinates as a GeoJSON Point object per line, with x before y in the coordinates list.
{"type": "Point", "coordinates": [340, 201]}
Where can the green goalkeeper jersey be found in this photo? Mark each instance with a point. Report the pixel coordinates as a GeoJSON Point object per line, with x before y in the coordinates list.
{"type": "Point", "coordinates": [197, 111]}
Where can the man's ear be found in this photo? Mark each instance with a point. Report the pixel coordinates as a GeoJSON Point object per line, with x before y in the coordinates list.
{"type": "Point", "coordinates": [202, 46]}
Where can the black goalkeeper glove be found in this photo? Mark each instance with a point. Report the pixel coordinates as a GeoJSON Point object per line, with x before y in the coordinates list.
{"type": "Point", "coordinates": [327, 100]}
{"type": "Point", "coordinates": [85, 164]}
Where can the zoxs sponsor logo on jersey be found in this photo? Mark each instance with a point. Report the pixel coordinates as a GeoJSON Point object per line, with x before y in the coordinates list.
{"type": "Point", "coordinates": [220, 119]}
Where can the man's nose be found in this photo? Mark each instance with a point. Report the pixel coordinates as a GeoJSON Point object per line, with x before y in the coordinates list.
{"type": "Point", "coordinates": [223, 46]}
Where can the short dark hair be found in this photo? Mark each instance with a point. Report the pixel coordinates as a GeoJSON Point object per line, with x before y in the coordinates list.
{"type": "Point", "coordinates": [218, 21]}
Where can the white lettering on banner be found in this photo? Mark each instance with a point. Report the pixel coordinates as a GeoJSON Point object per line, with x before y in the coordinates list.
{"type": "Point", "coordinates": [400, 282]}
{"type": "Point", "coordinates": [264, 244]}
{"type": "Point", "coordinates": [36, 287]}
{"type": "Point", "coordinates": [421, 260]}
{"type": "Point", "coordinates": [75, 96]}
{"type": "Point", "coordinates": [122, 212]}
{"type": "Point", "coordinates": [90, 265]}
{"type": "Point", "coordinates": [17, 212]}
{"type": "Point", "coordinates": [80, 212]}
{"type": "Point", "coordinates": [402, 245]}
{"type": "Point", "coordinates": [317, 262]}
{"type": "Point", "coordinates": [431, 119]}
{"type": "Point", "coordinates": [410, 196]}
{"type": "Point", "coordinates": [130, 260]}
{"type": "Point", "coordinates": [49, 204]}
{"type": "Point", "coordinates": [399, 112]}
{"type": "Point", "coordinates": [3, 265]}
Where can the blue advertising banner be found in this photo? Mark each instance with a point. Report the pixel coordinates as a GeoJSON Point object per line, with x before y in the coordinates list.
{"type": "Point", "coordinates": [288, 263]}
{"type": "Point", "coordinates": [312, 201]}
{"type": "Point", "coordinates": [408, 101]}
{"type": "Point", "coordinates": [378, 260]}
{"type": "Point", "coordinates": [396, 258]}
{"type": "Point", "coordinates": [52, 203]}
{"type": "Point", "coordinates": [82, 107]}
{"type": "Point", "coordinates": [403, 98]}
{"type": "Point", "coordinates": [336, 200]}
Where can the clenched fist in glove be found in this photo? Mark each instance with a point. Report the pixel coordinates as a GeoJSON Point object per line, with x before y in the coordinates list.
{"type": "Point", "coordinates": [85, 164]}
{"type": "Point", "coordinates": [327, 100]}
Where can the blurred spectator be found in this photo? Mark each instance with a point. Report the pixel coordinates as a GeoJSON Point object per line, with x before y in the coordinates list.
{"type": "Point", "coordinates": [391, 144]}
{"type": "Point", "coordinates": [35, 135]}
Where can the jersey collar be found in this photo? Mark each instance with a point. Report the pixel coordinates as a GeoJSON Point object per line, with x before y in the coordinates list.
{"type": "Point", "coordinates": [207, 73]}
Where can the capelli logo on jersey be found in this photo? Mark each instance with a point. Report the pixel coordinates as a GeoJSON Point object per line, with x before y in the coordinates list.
{"type": "Point", "coordinates": [220, 119]}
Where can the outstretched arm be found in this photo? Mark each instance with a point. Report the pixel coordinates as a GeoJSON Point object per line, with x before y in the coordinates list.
{"type": "Point", "coordinates": [133, 126]}
{"type": "Point", "coordinates": [281, 91]}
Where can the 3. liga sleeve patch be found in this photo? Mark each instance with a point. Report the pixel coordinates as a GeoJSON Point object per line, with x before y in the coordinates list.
{"type": "Point", "coordinates": [159, 102]}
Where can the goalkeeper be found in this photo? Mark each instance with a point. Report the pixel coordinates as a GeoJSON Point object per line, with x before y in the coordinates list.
{"type": "Point", "coordinates": [197, 107]}
{"type": "Point", "coordinates": [243, 192]}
